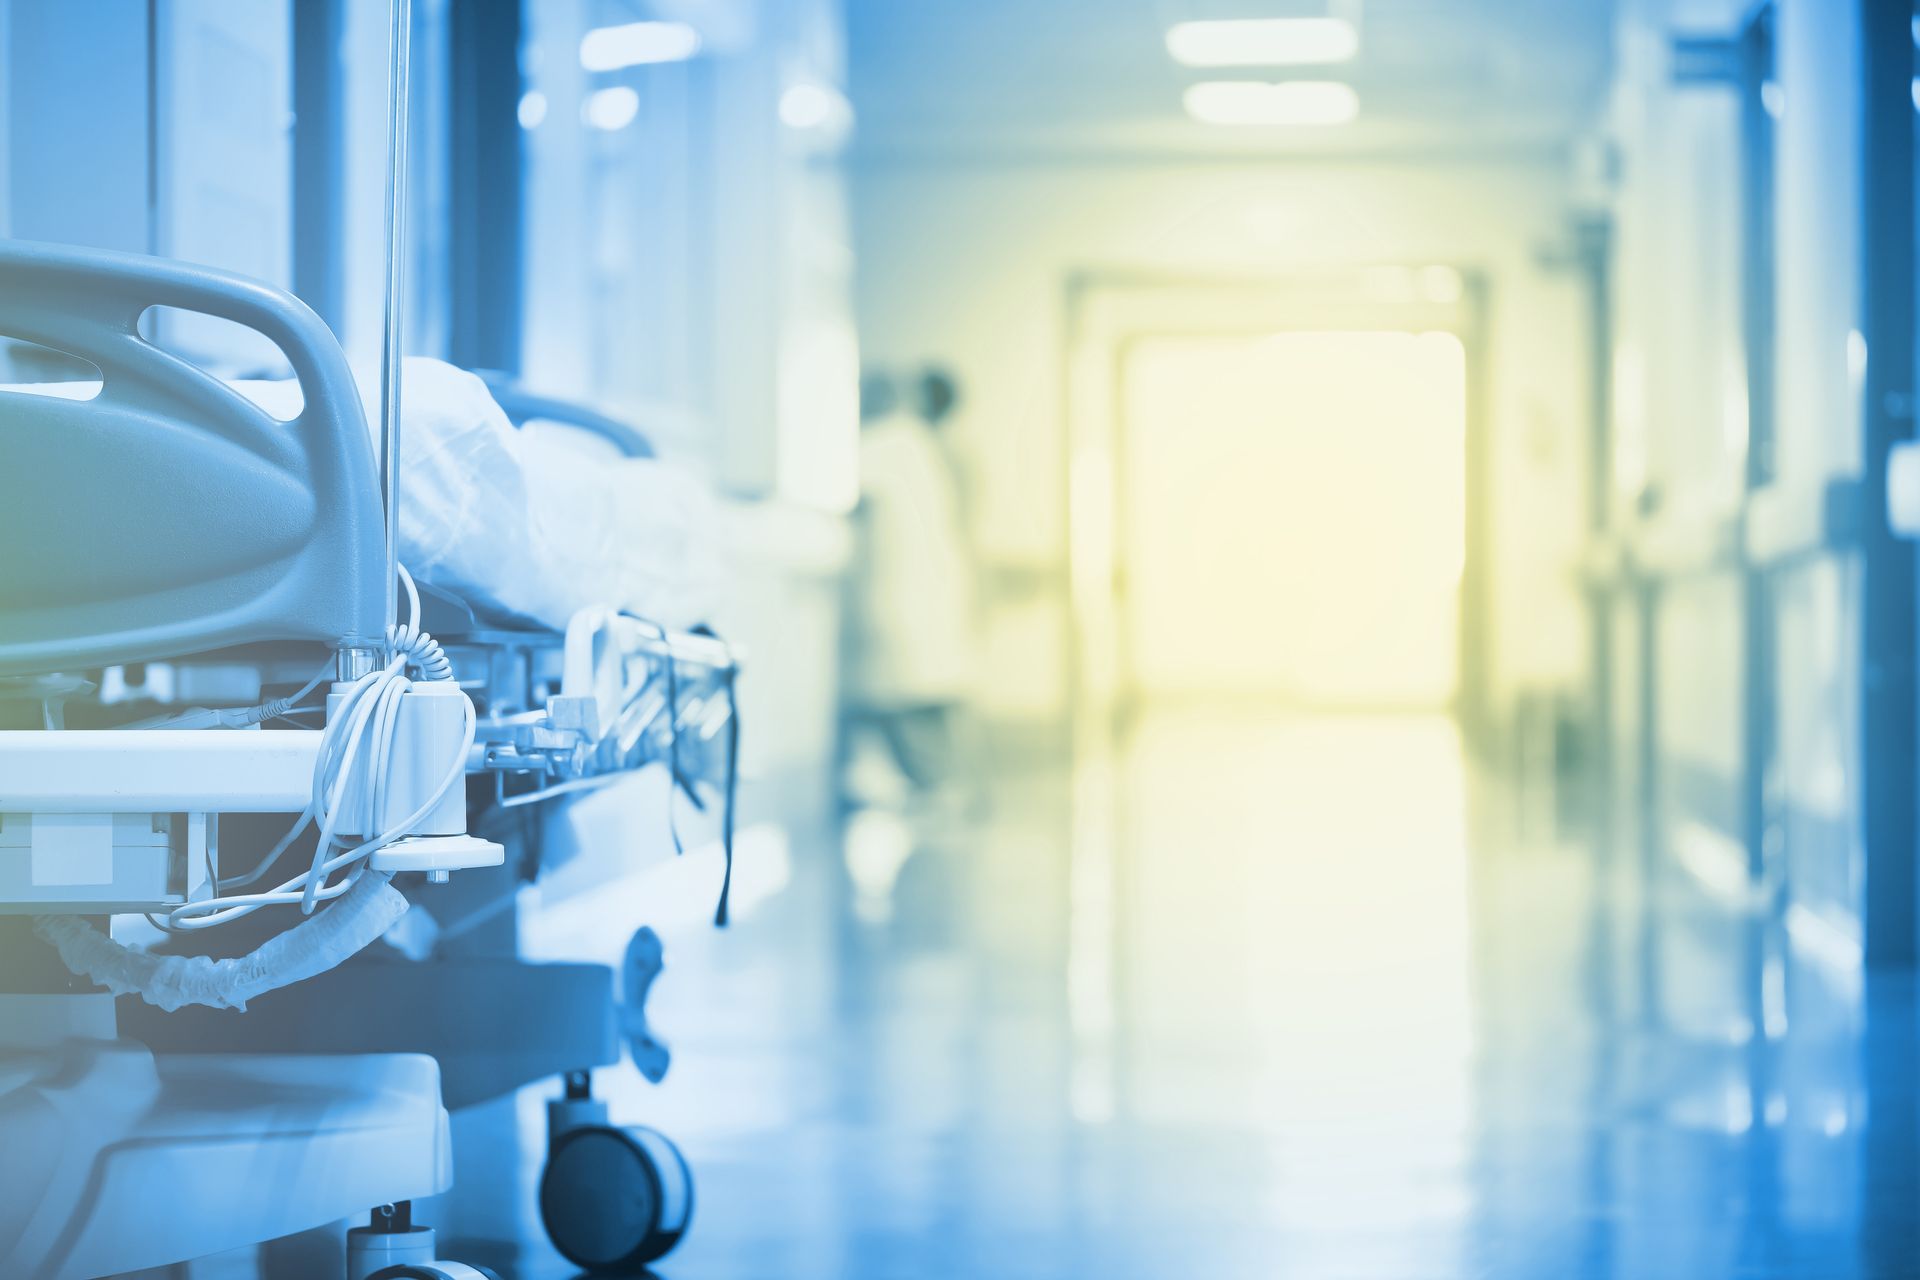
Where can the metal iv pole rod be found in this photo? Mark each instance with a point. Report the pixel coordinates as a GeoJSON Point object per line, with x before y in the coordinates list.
{"type": "Point", "coordinates": [397, 71]}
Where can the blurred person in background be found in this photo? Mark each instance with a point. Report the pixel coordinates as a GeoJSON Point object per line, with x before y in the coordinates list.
{"type": "Point", "coordinates": [911, 617]}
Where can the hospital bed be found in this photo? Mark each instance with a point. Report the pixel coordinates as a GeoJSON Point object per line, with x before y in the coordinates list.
{"type": "Point", "coordinates": [177, 556]}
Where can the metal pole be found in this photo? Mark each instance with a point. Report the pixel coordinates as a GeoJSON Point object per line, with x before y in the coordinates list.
{"type": "Point", "coordinates": [396, 275]}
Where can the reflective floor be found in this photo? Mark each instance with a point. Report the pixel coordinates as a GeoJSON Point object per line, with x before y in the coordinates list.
{"type": "Point", "coordinates": [1256, 996]}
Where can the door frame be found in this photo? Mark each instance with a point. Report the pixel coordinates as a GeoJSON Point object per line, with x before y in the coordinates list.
{"type": "Point", "coordinates": [1108, 312]}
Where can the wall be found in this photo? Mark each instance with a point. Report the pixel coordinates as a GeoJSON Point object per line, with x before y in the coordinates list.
{"type": "Point", "coordinates": [126, 127]}
{"type": "Point", "coordinates": [1817, 382]}
{"type": "Point", "coordinates": [1747, 790]}
{"type": "Point", "coordinates": [969, 263]}
{"type": "Point", "coordinates": [1681, 429]}
{"type": "Point", "coordinates": [76, 84]}
{"type": "Point", "coordinates": [691, 267]}
{"type": "Point", "coordinates": [690, 271]}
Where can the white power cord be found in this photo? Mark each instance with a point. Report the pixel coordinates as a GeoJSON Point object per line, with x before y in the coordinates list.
{"type": "Point", "coordinates": [233, 717]}
{"type": "Point", "coordinates": [359, 735]}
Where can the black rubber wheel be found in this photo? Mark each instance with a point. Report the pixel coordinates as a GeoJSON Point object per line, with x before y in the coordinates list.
{"type": "Point", "coordinates": [615, 1199]}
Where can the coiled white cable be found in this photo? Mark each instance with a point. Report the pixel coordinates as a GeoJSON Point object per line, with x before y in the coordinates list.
{"type": "Point", "coordinates": [359, 734]}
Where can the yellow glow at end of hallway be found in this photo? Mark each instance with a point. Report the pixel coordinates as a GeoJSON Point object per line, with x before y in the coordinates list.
{"type": "Point", "coordinates": [1303, 492]}
{"type": "Point", "coordinates": [1262, 42]}
{"type": "Point", "coordinates": [1257, 102]}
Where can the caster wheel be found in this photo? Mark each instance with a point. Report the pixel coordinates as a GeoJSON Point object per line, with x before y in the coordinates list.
{"type": "Point", "coordinates": [433, 1271]}
{"type": "Point", "coordinates": [615, 1199]}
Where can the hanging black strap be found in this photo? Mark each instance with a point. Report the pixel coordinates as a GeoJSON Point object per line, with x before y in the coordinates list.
{"type": "Point", "coordinates": [729, 800]}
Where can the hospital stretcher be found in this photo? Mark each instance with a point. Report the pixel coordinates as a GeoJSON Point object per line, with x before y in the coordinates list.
{"type": "Point", "coordinates": [170, 526]}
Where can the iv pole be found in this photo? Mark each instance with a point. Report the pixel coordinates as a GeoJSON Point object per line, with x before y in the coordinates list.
{"type": "Point", "coordinates": [397, 72]}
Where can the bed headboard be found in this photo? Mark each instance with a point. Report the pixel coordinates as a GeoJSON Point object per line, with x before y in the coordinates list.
{"type": "Point", "coordinates": [168, 515]}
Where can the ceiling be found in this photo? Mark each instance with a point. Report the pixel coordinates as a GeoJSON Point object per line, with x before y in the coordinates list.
{"type": "Point", "coordinates": [1001, 78]}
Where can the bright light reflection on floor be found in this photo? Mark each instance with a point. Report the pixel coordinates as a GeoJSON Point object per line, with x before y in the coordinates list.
{"type": "Point", "coordinates": [1295, 936]}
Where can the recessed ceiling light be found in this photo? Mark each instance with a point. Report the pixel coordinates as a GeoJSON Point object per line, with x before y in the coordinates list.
{"type": "Point", "coordinates": [1258, 102]}
{"type": "Point", "coordinates": [611, 109]}
{"type": "Point", "coordinates": [1262, 42]}
{"type": "Point", "coordinates": [633, 44]}
{"type": "Point", "coordinates": [813, 106]}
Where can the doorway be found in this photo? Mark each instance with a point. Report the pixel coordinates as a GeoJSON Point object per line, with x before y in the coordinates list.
{"type": "Point", "coordinates": [1291, 518]}
{"type": "Point", "coordinates": [1272, 524]}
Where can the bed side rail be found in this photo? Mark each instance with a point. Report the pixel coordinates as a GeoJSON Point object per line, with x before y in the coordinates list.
{"type": "Point", "coordinates": [523, 406]}
{"type": "Point", "coordinates": [169, 515]}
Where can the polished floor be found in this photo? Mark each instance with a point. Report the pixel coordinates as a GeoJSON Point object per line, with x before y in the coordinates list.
{"type": "Point", "coordinates": [1254, 995]}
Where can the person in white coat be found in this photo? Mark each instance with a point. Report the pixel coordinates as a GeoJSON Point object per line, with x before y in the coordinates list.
{"type": "Point", "coordinates": [912, 643]}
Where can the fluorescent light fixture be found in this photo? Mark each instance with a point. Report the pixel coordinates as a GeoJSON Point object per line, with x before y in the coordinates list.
{"type": "Point", "coordinates": [1262, 42]}
{"type": "Point", "coordinates": [633, 44]}
{"type": "Point", "coordinates": [1258, 102]}
{"type": "Point", "coordinates": [532, 109]}
{"type": "Point", "coordinates": [611, 109]}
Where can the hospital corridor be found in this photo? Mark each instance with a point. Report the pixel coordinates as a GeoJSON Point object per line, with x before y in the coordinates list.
{"type": "Point", "coordinates": [931, 639]}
